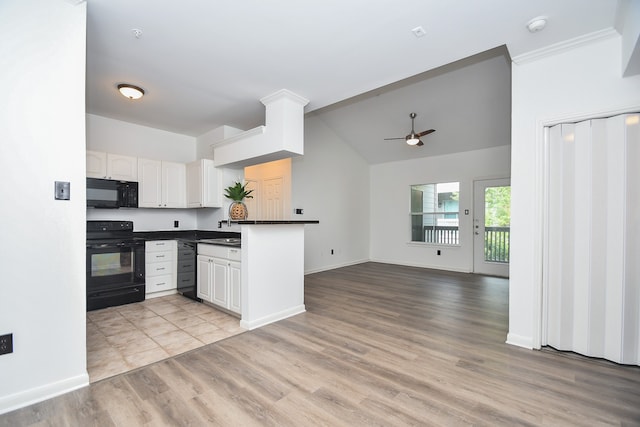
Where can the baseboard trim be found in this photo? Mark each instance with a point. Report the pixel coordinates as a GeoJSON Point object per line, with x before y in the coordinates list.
{"type": "Point", "coordinates": [433, 267]}
{"type": "Point", "coordinates": [520, 341]}
{"type": "Point", "coordinates": [253, 324]}
{"type": "Point", "coordinates": [384, 261]}
{"type": "Point", "coordinates": [334, 266]}
{"type": "Point", "coordinates": [39, 394]}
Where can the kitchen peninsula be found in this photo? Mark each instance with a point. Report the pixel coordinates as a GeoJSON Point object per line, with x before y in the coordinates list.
{"type": "Point", "coordinates": [272, 270]}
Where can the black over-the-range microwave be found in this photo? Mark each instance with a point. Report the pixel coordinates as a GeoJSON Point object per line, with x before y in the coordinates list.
{"type": "Point", "coordinates": [111, 194]}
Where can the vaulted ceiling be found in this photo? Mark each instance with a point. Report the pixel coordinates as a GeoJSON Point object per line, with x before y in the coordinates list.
{"type": "Point", "coordinates": [204, 64]}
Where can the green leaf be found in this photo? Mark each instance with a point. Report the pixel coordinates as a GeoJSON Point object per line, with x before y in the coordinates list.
{"type": "Point", "coordinates": [238, 192]}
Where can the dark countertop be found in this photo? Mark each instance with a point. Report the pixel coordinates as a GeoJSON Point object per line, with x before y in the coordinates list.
{"type": "Point", "coordinates": [188, 235]}
{"type": "Point", "coordinates": [276, 221]}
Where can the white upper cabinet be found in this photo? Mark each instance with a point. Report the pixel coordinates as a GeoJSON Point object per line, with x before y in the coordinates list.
{"type": "Point", "coordinates": [204, 185]}
{"type": "Point", "coordinates": [174, 185]}
{"type": "Point", "coordinates": [111, 166]}
{"type": "Point", "coordinates": [124, 168]}
{"type": "Point", "coordinates": [96, 164]}
{"type": "Point", "coordinates": [161, 184]}
{"type": "Point", "coordinates": [150, 184]}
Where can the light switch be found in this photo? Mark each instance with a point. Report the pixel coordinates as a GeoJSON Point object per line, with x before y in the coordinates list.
{"type": "Point", "coordinates": [63, 190]}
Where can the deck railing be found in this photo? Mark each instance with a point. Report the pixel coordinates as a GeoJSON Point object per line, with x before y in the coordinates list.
{"type": "Point", "coordinates": [496, 244]}
{"type": "Point", "coordinates": [448, 235]}
{"type": "Point", "coordinates": [496, 240]}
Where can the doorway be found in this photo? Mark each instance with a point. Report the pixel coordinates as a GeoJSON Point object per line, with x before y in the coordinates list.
{"type": "Point", "coordinates": [491, 226]}
{"type": "Point", "coordinates": [271, 183]}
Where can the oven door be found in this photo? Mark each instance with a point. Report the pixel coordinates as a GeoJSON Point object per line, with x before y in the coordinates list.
{"type": "Point", "coordinates": [115, 273]}
{"type": "Point", "coordinates": [114, 264]}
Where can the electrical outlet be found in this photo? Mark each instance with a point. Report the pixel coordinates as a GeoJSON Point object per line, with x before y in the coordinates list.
{"type": "Point", "coordinates": [176, 224]}
{"type": "Point", "coordinates": [439, 253]}
{"type": "Point", "coordinates": [6, 343]}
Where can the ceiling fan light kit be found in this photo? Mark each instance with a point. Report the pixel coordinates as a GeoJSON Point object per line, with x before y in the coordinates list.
{"type": "Point", "coordinates": [413, 138]}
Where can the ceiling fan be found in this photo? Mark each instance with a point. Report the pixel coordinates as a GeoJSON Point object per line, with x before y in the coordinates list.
{"type": "Point", "coordinates": [414, 138]}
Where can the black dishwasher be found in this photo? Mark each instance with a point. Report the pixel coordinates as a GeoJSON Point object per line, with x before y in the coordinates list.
{"type": "Point", "coordinates": [187, 269]}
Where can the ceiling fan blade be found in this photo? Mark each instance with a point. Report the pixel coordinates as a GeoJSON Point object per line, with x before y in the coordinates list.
{"type": "Point", "coordinates": [420, 143]}
{"type": "Point", "coordinates": [426, 132]}
{"type": "Point", "coordinates": [391, 139]}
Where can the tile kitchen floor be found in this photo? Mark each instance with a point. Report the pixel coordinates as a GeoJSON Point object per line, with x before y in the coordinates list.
{"type": "Point", "coordinates": [126, 337]}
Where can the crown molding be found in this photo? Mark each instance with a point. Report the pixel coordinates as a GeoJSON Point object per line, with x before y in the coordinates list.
{"type": "Point", "coordinates": [564, 46]}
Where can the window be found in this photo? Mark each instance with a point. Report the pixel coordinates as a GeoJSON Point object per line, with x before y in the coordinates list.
{"type": "Point", "coordinates": [434, 213]}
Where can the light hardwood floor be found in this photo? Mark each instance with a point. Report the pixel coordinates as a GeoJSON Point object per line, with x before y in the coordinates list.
{"type": "Point", "coordinates": [379, 345]}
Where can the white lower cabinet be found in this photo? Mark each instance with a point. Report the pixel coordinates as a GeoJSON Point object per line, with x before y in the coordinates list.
{"type": "Point", "coordinates": [235, 304]}
{"type": "Point", "coordinates": [160, 268]}
{"type": "Point", "coordinates": [219, 276]}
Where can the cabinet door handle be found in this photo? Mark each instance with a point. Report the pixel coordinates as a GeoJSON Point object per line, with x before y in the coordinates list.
{"type": "Point", "coordinates": [160, 284]}
{"type": "Point", "coordinates": [159, 256]}
{"type": "Point", "coordinates": [160, 268]}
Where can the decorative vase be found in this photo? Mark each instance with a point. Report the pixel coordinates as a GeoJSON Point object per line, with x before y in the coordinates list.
{"type": "Point", "coordinates": [238, 211]}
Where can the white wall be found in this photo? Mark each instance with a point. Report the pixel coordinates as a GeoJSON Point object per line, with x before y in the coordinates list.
{"type": "Point", "coordinates": [331, 183]}
{"type": "Point", "coordinates": [580, 83]}
{"type": "Point", "coordinates": [42, 140]}
{"type": "Point", "coordinates": [116, 136]}
{"type": "Point", "coordinates": [629, 17]}
{"type": "Point", "coordinates": [206, 140]}
{"type": "Point", "coordinates": [391, 204]}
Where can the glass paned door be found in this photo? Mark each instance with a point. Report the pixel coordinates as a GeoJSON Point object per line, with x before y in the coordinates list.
{"type": "Point", "coordinates": [492, 226]}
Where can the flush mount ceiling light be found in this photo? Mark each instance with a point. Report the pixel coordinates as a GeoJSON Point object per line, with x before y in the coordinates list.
{"type": "Point", "coordinates": [537, 24]}
{"type": "Point", "coordinates": [130, 91]}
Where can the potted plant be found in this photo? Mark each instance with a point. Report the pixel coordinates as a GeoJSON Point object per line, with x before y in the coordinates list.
{"type": "Point", "coordinates": [238, 192]}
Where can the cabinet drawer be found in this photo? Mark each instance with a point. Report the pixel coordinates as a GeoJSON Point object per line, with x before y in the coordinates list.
{"type": "Point", "coordinates": [219, 251]}
{"type": "Point", "coordinates": [186, 280]}
{"type": "Point", "coordinates": [159, 268]}
{"type": "Point", "coordinates": [186, 253]}
{"type": "Point", "coordinates": [187, 265]}
{"type": "Point", "coordinates": [158, 256]}
{"type": "Point", "coordinates": [159, 245]}
{"type": "Point", "coordinates": [159, 283]}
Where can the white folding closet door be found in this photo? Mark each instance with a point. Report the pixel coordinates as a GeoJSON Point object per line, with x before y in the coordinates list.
{"type": "Point", "coordinates": [592, 250]}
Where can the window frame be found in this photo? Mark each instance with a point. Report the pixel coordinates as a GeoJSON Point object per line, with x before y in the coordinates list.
{"type": "Point", "coordinates": [417, 217]}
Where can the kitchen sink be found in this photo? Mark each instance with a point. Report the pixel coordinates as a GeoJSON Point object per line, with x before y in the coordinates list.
{"type": "Point", "coordinates": [226, 241]}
